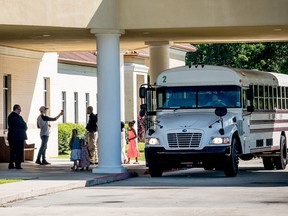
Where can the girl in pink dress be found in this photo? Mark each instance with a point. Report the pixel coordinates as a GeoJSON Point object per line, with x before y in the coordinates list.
{"type": "Point", "coordinates": [132, 145]}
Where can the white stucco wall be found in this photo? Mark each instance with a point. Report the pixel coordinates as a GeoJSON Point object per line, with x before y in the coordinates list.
{"type": "Point", "coordinates": [177, 58]}
{"type": "Point", "coordinates": [131, 88]}
{"type": "Point", "coordinates": [28, 70]}
{"type": "Point", "coordinates": [81, 79]}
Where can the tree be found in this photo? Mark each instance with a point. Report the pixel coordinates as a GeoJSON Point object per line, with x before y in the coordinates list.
{"type": "Point", "coordinates": [262, 56]}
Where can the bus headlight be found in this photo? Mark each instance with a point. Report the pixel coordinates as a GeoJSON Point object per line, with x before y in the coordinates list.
{"type": "Point", "coordinates": [220, 140]}
{"type": "Point", "coordinates": [152, 141]}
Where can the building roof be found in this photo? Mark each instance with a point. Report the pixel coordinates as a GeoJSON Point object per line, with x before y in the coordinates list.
{"type": "Point", "coordinates": [185, 47]}
{"type": "Point", "coordinates": [79, 58]}
{"type": "Point", "coordinates": [90, 58]}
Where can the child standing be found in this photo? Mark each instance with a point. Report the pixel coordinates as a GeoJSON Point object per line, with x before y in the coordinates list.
{"type": "Point", "coordinates": [75, 149]}
{"type": "Point", "coordinates": [132, 145]}
{"type": "Point", "coordinates": [84, 161]}
{"type": "Point", "coordinates": [123, 144]}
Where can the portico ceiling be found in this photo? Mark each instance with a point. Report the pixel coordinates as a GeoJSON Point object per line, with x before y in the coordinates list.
{"type": "Point", "coordinates": [184, 21]}
{"type": "Point", "coordinates": [52, 39]}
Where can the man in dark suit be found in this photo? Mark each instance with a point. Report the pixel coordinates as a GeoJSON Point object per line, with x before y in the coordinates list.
{"type": "Point", "coordinates": [16, 137]}
{"type": "Point", "coordinates": [92, 135]}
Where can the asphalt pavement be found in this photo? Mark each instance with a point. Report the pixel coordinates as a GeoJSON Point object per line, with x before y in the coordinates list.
{"type": "Point", "coordinates": [46, 179]}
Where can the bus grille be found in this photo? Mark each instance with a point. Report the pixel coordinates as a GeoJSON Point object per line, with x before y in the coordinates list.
{"type": "Point", "coordinates": [184, 140]}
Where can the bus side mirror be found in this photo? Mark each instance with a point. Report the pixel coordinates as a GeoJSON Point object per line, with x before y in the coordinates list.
{"type": "Point", "coordinates": [250, 108]}
{"type": "Point", "coordinates": [142, 92]}
{"type": "Point", "coordinates": [221, 111]}
{"type": "Point", "coordinates": [250, 94]}
{"type": "Point", "coordinates": [143, 109]}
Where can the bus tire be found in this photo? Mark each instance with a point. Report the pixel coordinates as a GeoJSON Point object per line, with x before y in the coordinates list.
{"type": "Point", "coordinates": [231, 164]}
{"type": "Point", "coordinates": [155, 171]}
{"type": "Point", "coordinates": [281, 161]}
{"type": "Point", "coordinates": [268, 163]}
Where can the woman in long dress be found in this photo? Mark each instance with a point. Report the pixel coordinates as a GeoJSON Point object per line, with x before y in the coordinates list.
{"type": "Point", "coordinates": [132, 151]}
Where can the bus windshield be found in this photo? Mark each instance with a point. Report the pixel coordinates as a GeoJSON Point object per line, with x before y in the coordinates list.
{"type": "Point", "coordinates": [198, 97]}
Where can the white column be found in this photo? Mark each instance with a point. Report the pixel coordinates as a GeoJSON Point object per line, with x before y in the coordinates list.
{"type": "Point", "coordinates": [159, 58]}
{"type": "Point", "coordinates": [108, 65]}
{"type": "Point", "coordinates": [122, 86]}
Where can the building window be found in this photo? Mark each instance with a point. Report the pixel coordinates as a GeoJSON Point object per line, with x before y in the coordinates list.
{"type": "Point", "coordinates": [76, 107]}
{"type": "Point", "coordinates": [87, 103]}
{"type": "Point", "coordinates": [46, 90]}
{"type": "Point", "coordinates": [6, 99]}
{"type": "Point", "coordinates": [64, 106]}
{"type": "Point", "coordinates": [96, 103]}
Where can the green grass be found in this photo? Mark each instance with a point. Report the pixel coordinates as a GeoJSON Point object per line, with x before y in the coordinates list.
{"type": "Point", "coordinates": [65, 156]}
{"type": "Point", "coordinates": [141, 146]}
{"type": "Point", "coordinates": [5, 181]}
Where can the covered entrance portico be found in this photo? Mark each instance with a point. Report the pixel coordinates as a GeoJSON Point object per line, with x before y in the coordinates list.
{"type": "Point", "coordinates": [132, 25]}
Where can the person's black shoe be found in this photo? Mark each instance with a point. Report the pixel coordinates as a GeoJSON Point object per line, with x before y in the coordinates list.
{"type": "Point", "coordinates": [45, 162]}
{"type": "Point", "coordinates": [11, 166]}
{"type": "Point", "coordinates": [19, 168]}
{"type": "Point", "coordinates": [38, 162]}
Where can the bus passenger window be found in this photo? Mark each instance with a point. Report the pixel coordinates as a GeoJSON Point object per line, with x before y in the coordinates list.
{"type": "Point", "coordinates": [286, 97]}
{"type": "Point", "coordinates": [244, 99]}
{"type": "Point", "coordinates": [275, 106]}
{"type": "Point", "coordinates": [266, 98]}
{"type": "Point", "coordinates": [256, 97]}
{"type": "Point", "coordinates": [261, 98]}
{"type": "Point", "coordinates": [270, 93]}
{"type": "Point", "coordinates": [279, 97]}
{"type": "Point", "coordinates": [283, 97]}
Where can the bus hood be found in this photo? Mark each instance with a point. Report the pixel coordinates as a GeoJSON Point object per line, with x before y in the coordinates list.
{"type": "Point", "coordinates": [194, 120]}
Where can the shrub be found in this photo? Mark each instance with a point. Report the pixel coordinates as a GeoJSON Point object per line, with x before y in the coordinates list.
{"type": "Point", "coordinates": [64, 135]}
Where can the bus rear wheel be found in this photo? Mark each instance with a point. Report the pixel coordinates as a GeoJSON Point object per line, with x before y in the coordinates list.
{"type": "Point", "coordinates": [281, 161]}
{"type": "Point", "coordinates": [268, 163]}
{"type": "Point", "coordinates": [231, 165]}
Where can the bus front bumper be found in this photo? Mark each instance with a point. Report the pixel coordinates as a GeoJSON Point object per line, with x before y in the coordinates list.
{"type": "Point", "coordinates": [159, 156]}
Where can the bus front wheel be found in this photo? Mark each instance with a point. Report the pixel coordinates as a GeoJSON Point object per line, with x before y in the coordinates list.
{"type": "Point", "coordinates": [155, 171]}
{"type": "Point", "coordinates": [231, 165]}
{"type": "Point", "coordinates": [281, 161]}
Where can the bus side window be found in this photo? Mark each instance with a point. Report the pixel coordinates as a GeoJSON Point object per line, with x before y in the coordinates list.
{"type": "Point", "coordinates": [283, 97]}
{"type": "Point", "coordinates": [261, 97]}
{"type": "Point", "coordinates": [275, 105]}
{"type": "Point", "coordinates": [286, 97]}
{"type": "Point", "coordinates": [279, 97]}
{"type": "Point", "coordinates": [270, 95]}
{"type": "Point", "coordinates": [256, 97]}
{"type": "Point", "coordinates": [266, 97]}
{"type": "Point", "coordinates": [244, 99]}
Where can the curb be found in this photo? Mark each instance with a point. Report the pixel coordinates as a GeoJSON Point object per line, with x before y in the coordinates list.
{"type": "Point", "coordinates": [110, 178]}
{"type": "Point", "coordinates": [31, 191]}
{"type": "Point", "coordinates": [28, 189]}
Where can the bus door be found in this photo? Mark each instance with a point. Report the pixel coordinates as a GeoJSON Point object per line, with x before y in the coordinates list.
{"type": "Point", "coordinates": [248, 108]}
{"type": "Point", "coordinates": [148, 104]}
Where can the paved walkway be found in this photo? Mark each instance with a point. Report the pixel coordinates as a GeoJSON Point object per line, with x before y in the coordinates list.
{"type": "Point", "coordinates": [41, 180]}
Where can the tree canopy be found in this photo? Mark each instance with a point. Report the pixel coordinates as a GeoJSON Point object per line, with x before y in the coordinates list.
{"type": "Point", "coordinates": [271, 57]}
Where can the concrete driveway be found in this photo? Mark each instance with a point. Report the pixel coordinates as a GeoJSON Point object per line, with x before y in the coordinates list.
{"type": "Point", "coordinates": [254, 191]}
